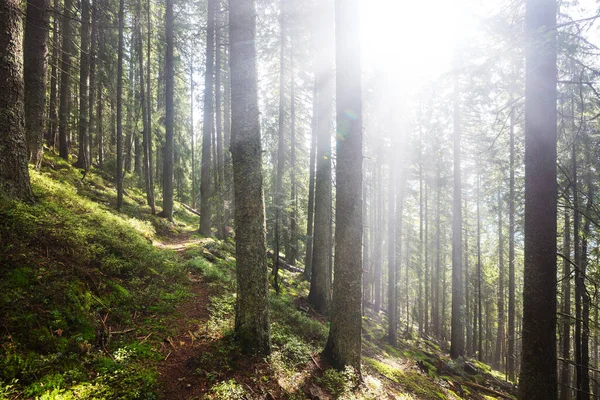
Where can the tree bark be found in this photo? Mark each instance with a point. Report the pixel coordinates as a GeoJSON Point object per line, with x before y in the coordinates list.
{"type": "Point", "coordinates": [14, 173]}
{"type": "Point", "coordinates": [169, 116]}
{"type": "Point", "coordinates": [35, 48]}
{"type": "Point", "coordinates": [311, 183]}
{"type": "Point", "coordinates": [344, 343]}
{"type": "Point", "coordinates": [320, 287]}
{"type": "Point", "coordinates": [208, 124]}
{"type": "Point", "coordinates": [53, 118]}
{"type": "Point", "coordinates": [565, 391]}
{"type": "Point", "coordinates": [538, 366]}
{"type": "Point", "coordinates": [392, 299]}
{"type": "Point", "coordinates": [252, 311]}
{"type": "Point", "coordinates": [65, 93]}
{"type": "Point", "coordinates": [84, 75]}
{"type": "Point", "coordinates": [119, 174]}
{"type": "Point", "coordinates": [511, 253]}
{"type": "Point", "coordinates": [457, 341]}
{"type": "Point", "coordinates": [500, 333]}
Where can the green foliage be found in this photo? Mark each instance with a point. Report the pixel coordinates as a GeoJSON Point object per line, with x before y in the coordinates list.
{"type": "Point", "coordinates": [227, 390]}
{"type": "Point", "coordinates": [72, 266]}
{"type": "Point", "coordinates": [339, 383]}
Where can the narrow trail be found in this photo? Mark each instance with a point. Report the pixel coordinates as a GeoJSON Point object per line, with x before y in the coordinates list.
{"type": "Point", "coordinates": [182, 351]}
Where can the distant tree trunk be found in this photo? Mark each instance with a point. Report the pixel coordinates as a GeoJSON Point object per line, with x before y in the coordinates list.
{"type": "Point", "coordinates": [65, 93]}
{"type": "Point", "coordinates": [392, 300]}
{"type": "Point", "coordinates": [467, 281]}
{"type": "Point", "coordinates": [53, 121]}
{"type": "Point", "coordinates": [428, 286]}
{"type": "Point", "coordinates": [585, 297]}
{"type": "Point", "coordinates": [208, 125]}
{"type": "Point", "coordinates": [422, 279]}
{"type": "Point", "coordinates": [565, 390]}
{"type": "Point", "coordinates": [457, 342]}
{"type": "Point", "coordinates": [511, 359]}
{"type": "Point", "coordinates": [579, 279]}
{"type": "Point", "coordinates": [436, 278]}
{"type": "Point", "coordinates": [320, 287]}
{"type": "Point", "coordinates": [227, 173]}
{"type": "Point", "coordinates": [379, 228]}
{"type": "Point", "coordinates": [119, 174]}
{"type": "Point", "coordinates": [14, 173]}
{"type": "Point", "coordinates": [84, 75]}
{"type": "Point", "coordinates": [192, 135]}
{"type": "Point", "coordinates": [252, 311]}
{"type": "Point", "coordinates": [311, 183]}
{"type": "Point", "coordinates": [149, 151]}
{"type": "Point", "coordinates": [92, 82]}
{"type": "Point", "coordinates": [146, 136]}
{"type": "Point", "coordinates": [169, 116]}
{"type": "Point", "coordinates": [479, 277]}
{"type": "Point", "coordinates": [100, 113]}
{"type": "Point", "coordinates": [220, 159]}
{"type": "Point", "coordinates": [35, 50]}
{"type": "Point", "coordinates": [500, 334]}
{"type": "Point", "coordinates": [538, 365]}
{"type": "Point", "coordinates": [344, 343]}
{"type": "Point", "coordinates": [278, 195]}
{"type": "Point", "coordinates": [293, 253]}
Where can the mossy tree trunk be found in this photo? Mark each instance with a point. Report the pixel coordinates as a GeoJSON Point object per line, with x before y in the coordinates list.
{"type": "Point", "coordinates": [252, 309]}
{"type": "Point", "coordinates": [538, 377]}
{"type": "Point", "coordinates": [34, 60]}
{"type": "Point", "coordinates": [344, 343]}
{"type": "Point", "coordinates": [14, 173]}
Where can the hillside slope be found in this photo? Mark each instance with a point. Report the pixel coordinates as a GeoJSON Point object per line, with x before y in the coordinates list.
{"type": "Point", "coordinates": [99, 304]}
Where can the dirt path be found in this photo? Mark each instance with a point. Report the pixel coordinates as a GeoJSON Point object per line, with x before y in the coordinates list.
{"type": "Point", "coordinates": [177, 371]}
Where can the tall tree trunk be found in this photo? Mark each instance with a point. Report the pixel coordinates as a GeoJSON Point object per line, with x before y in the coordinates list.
{"type": "Point", "coordinates": [311, 182]}
{"type": "Point", "coordinates": [192, 134]}
{"type": "Point", "coordinates": [538, 365]}
{"type": "Point", "coordinates": [500, 334]}
{"type": "Point", "coordinates": [278, 195]}
{"type": "Point", "coordinates": [457, 341]}
{"type": "Point", "coordinates": [205, 189]}
{"type": "Point", "coordinates": [467, 282]}
{"type": "Point", "coordinates": [293, 253]}
{"type": "Point", "coordinates": [392, 300]}
{"type": "Point", "coordinates": [252, 312]}
{"type": "Point", "coordinates": [149, 141]}
{"type": "Point", "coordinates": [511, 252]}
{"type": "Point", "coordinates": [65, 93]}
{"type": "Point", "coordinates": [422, 279]}
{"type": "Point", "coordinates": [479, 276]}
{"type": "Point", "coordinates": [220, 198]}
{"type": "Point", "coordinates": [119, 174]}
{"type": "Point", "coordinates": [35, 50]}
{"type": "Point", "coordinates": [379, 228]}
{"type": "Point", "coordinates": [436, 279]}
{"type": "Point", "coordinates": [565, 389]}
{"type": "Point", "coordinates": [344, 343]}
{"type": "Point", "coordinates": [169, 116]}
{"type": "Point", "coordinates": [585, 313]}
{"type": "Point", "coordinates": [428, 286]}
{"type": "Point", "coordinates": [146, 135]}
{"type": "Point", "coordinates": [92, 81]}
{"type": "Point", "coordinates": [14, 173]}
{"type": "Point", "coordinates": [579, 279]}
{"type": "Point", "coordinates": [53, 118]}
{"type": "Point", "coordinates": [320, 288]}
{"type": "Point", "coordinates": [84, 75]}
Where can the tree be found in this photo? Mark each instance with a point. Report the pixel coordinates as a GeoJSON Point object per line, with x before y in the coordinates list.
{"type": "Point", "coordinates": [84, 74]}
{"type": "Point", "coordinates": [14, 174]}
{"type": "Point", "coordinates": [65, 93]}
{"type": "Point", "coordinates": [207, 128]}
{"type": "Point", "coordinates": [392, 300]}
{"type": "Point", "coordinates": [252, 310]}
{"type": "Point", "coordinates": [457, 343]}
{"type": "Point", "coordinates": [35, 50]}
{"type": "Point", "coordinates": [167, 211]}
{"type": "Point", "coordinates": [119, 174]}
{"type": "Point", "coordinates": [538, 377]}
{"type": "Point", "coordinates": [320, 283]}
{"type": "Point", "coordinates": [344, 343]}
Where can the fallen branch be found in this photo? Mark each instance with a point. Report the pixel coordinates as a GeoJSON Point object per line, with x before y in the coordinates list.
{"type": "Point", "coordinates": [190, 209]}
{"type": "Point", "coordinates": [488, 390]}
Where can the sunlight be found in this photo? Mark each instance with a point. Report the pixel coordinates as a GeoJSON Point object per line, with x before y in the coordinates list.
{"type": "Point", "coordinates": [414, 41]}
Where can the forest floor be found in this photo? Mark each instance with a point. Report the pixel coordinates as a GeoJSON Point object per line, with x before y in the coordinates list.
{"type": "Point", "coordinates": [100, 304]}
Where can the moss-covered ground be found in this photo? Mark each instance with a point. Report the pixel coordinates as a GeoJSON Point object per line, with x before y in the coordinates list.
{"type": "Point", "coordinates": [100, 304]}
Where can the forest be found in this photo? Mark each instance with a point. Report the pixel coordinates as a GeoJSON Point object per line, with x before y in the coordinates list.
{"type": "Point", "coordinates": [299, 199]}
